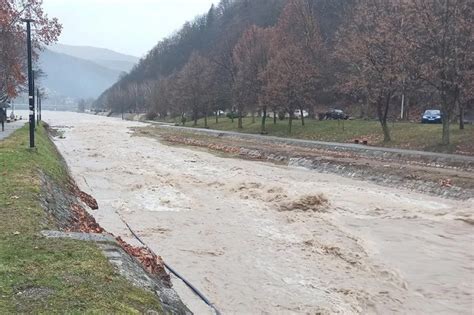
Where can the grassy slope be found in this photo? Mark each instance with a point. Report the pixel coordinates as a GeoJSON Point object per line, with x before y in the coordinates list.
{"type": "Point", "coordinates": [405, 135]}
{"type": "Point", "coordinates": [39, 275]}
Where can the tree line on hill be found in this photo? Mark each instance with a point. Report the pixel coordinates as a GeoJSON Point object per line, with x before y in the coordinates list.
{"type": "Point", "coordinates": [294, 56]}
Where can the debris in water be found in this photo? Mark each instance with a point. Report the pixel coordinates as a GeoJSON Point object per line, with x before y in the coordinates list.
{"type": "Point", "coordinates": [317, 203]}
{"type": "Point", "coordinates": [447, 182]}
{"type": "Point", "coordinates": [469, 221]}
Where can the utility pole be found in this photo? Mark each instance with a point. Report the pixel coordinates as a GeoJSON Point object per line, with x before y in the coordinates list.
{"type": "Point", "coordinates": [31, 83]}
{"type": "Point", "coordinates": [38, 102]}
{"type": "Point", "coordinates": [402, 108]}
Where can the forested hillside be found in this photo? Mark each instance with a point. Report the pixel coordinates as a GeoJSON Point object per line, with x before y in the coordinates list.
{"type": "Point", "coordinates": [293, 56]}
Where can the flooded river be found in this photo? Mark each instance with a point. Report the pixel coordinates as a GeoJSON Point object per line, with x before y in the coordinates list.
{"type": "Point", "coordinates": [237, 231]}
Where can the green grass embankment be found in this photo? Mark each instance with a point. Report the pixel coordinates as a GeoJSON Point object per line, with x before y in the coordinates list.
{"type": "Point", "coordinates": [405, 135]}
{"type": "Point", "coordinates": [45, 276]}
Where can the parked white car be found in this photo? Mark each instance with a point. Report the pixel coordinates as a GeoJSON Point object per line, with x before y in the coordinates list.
{"type": "Point", "coordinates": [297, 114]}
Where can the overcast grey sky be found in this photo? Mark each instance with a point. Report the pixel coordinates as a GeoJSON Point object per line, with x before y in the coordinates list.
{"type": "Point", "coordinates": [127, 26]}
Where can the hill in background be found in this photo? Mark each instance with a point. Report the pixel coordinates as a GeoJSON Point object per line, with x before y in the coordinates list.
{"type": "Point", "coordinates": [71, 73]}
{"type": "Point", "coordinates": [74, 77]}
{"type": "Point", "coordinates": [101, 56]}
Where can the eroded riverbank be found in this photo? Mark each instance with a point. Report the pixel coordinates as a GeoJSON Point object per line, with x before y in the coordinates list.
{"type": "Point", "coordinates": [226, 225]}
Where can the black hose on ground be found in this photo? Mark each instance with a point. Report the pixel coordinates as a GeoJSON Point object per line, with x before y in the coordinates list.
{"type": "Point", "coordinates": [193, 288]}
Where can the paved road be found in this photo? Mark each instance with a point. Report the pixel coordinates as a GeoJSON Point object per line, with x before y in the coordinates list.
{"type": "Point", "coordinates": [11, 127]}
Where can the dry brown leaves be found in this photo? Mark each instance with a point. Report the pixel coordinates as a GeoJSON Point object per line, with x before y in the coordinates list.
{"type": "Point", "coordinates": [83, 221]}
{"type": "Point", "coordinates": [152, 263]}
{"type": "Point", "coordinates": [84, 197]}
{"type": "Point", "coordinates": [88, 200]}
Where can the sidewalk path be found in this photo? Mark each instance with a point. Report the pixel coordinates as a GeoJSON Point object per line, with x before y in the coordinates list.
{"type": "Point", "coordinates": [10, 128]}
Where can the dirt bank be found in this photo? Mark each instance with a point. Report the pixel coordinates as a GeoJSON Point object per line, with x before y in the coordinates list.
{"type": "Point", "coordinates": [436, 175]}
{"type": "Point", "coordinates": [254, 237]}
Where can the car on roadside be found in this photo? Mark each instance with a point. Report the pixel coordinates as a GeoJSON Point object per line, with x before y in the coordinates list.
{"type": "Point", "coordinates": [336, 114]}
{"type": "Point", "coordinates": [297, 114]}
{"type": "Point", "coordinates": [432, 116]}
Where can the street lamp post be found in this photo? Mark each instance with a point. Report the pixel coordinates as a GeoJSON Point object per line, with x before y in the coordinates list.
{"type": "Point", "coordinates": [39, 110]}
{"type": "Point", "coordinates": [38, 100]}
{"type": "Point", "coordinates": [31, 84]}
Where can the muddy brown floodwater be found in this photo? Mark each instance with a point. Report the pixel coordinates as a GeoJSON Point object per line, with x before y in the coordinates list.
{"type": "Point", "coordinates": [228, 225]}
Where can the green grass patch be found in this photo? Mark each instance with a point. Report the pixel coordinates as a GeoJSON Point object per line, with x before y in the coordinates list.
{"type": "Point", "coordinates": [406, 135]}
{"type": "Point", "coordinates": [44, 276]}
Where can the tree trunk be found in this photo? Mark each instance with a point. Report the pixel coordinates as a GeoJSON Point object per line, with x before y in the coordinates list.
{"type": "Point", "coordinates": [382, 112]}
{"type": "Point", "coordinates": [195, 114]}
{"type": "Point", "coordinates": [446, 123]}
{"type": "Point", "coordinates": [386, 131]}
{"type": "Point", "coordinates": [217, 118]}
{"type": "Point", "coordinates": [311, 112]}
{"type": "Point", "coordinates": [364, 110]}
{"type": "Point", "coordinates": [240, 125]}
{"type": "Point", "coordinates": [446, 117]}
{"type": "Point", "coordinates": [263, 130]}
{"type": "Point", "coordinates": [290, 123]}
{"type": "Point", "coordinates": [407, 109]}
{"type": "Point", "coordinates": [461, 116]}
{"type": "Point", "coordinates": [274, 117]}
{"type": "Point", "coordinates": [205, 121]}
{"type": "Point", "coordinates": [302, 117]}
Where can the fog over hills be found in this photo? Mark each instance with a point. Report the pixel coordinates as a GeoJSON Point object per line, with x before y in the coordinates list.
{"type": "Point", "coordinates": [102, 56]}
{"type": "Point", "coordinates": [74, 77]}
{"type": "Point", "coordinates": [79, 72]}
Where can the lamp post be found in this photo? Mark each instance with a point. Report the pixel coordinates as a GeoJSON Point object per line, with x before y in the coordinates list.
{"type": "Point", "coordinates": [39, 109]}
{"type": "Point", "coordinates": [38, 100]}
{"type": "Point", "coordinates": [31, 84]}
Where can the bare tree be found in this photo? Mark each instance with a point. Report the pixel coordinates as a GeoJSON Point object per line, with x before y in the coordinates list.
{"type": "Point", "coordinates": [194, 82]}
{"type": "Point", "coordinates": [442, 35]}
{"type": "Point", "coordinates": [372, 44]}
{"type": "Point", "coordinates": [251, 55]}
{"type": "Point", "coordinates": [289, 80]}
